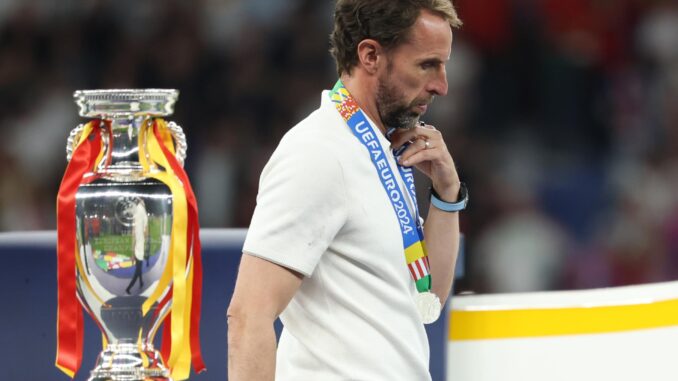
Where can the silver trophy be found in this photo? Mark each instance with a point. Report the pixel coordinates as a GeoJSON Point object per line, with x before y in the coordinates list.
{"type": "Point", "coordinates": [123, 224]}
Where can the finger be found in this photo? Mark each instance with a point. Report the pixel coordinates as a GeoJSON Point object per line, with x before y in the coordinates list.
{"type": "Point", "coordinates": [403, 136]}
{"type": "Point", "coordinates": [400, 137]}
{"type": "Point", "coordinates": [416, 146]}
{"type": "Point", "coordinates": [417, 157]}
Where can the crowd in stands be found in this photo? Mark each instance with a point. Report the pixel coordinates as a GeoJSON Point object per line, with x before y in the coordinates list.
{"type": "Point", "coordinates": [562, 117]}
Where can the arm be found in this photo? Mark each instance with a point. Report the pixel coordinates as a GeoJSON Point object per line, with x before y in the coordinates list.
{"type": "Point", "coordinates": [441, 228]}
{"type": "Point", "coordinates": [298, 194]}
{"type": "Point", "coordinates": [262, 291]}
{"type": "Point", "coordinates": [442, 244]}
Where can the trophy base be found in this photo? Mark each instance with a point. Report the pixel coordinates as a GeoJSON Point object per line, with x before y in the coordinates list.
{"type": "Point", "coordinates": [129, 362]}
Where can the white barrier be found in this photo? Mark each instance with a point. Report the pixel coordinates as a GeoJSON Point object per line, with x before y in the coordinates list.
{"type": "Point", "coordinates": [621, 334]}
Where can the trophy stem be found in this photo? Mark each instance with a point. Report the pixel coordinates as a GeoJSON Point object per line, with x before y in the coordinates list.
{"type": "Point", "coordinates": [130, 362]}
{"type": "Point", "coordinates": [123, 146]}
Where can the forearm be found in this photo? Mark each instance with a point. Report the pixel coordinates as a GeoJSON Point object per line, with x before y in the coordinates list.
{"type": "Point", "coordinates": [442, 244]}
{"type": "Point", "coordinates": [428, 152]}
{"type": "Point", "coordinates": [251, 349]}
{"type": "Point", "coordinates": [262, 291]}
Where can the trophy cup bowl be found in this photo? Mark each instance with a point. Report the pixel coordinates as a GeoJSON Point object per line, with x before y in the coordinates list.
{"type": "Point", "coordinates": [123, 231]}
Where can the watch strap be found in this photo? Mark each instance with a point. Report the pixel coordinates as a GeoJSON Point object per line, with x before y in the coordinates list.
{"type": "Point", "coordinates": [447, 206]}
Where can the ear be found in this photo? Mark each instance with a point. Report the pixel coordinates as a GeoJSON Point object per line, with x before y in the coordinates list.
{"type": "Point", "coordinates": [370, 55]}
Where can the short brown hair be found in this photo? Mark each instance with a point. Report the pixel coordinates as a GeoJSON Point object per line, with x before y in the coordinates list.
{"type": "Point", "coordinates": [386, 21]}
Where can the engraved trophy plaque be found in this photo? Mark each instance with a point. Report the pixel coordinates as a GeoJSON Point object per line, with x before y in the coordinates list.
{"type": "Point", "coordinates": [124, 216]}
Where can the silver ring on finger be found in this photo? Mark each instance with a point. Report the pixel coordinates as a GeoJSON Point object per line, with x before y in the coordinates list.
{"type": "Point", "coordinates": [427, 144]}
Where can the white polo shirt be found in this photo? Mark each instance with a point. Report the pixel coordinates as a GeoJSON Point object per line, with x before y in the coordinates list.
{"type": "Point", "coordinates": [322, 211]}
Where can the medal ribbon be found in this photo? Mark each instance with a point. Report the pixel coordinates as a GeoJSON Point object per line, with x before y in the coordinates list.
{"type": "Point", "coordinates": [410, 227]}
{"type": "Point", "coordinates": [86, 154]}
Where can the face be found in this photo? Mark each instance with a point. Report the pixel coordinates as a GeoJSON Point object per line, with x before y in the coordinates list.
{"type": "Point", "coordinates": [414, 72]}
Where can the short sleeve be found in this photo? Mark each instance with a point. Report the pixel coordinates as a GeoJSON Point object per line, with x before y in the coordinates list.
{"type": "Point", "coordinates": [301, 205]}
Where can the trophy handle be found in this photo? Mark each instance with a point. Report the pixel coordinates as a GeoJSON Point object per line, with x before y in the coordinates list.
{"type": "Point", "coordinates": [73, 138]}
{"type": "Point", "coordinates": [175, 129]}
{"type": "Point", "coordinates": [179, 141]}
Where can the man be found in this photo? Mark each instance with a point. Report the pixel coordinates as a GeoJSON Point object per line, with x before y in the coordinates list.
{"type": "Point", "coordinates": [140, 230]}
{"type": "Point", "coordinates": [329, 249]}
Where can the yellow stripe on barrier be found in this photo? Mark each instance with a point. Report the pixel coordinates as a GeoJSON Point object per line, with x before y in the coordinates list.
{"type": "Point", "coordinates": [504, 324]}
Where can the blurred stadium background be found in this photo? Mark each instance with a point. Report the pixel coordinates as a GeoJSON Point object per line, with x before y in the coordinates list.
{"type": "Point", "coordinates": [562, 117]}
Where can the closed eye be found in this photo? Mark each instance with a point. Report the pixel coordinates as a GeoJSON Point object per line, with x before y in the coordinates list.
{"type": "Point", "coordinates": [430, 64]}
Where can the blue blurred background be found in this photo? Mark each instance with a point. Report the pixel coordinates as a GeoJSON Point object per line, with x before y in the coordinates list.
{"type": "Point", "coordinates": [562, 117]}
{"type": "Point", "coordinates": [28, 318]}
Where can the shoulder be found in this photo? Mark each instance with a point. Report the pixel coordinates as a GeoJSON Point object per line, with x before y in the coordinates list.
{"type": "Point", "coordinates": [321, 139]}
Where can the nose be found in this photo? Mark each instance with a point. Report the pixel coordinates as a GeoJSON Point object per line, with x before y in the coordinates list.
{"type": "Point", "coordinates": [438, 84]}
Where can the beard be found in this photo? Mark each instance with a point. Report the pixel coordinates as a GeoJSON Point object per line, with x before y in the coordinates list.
{"type": "Point", "coordinates": [393, 110]}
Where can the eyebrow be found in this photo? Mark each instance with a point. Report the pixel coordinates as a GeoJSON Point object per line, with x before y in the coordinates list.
{"type": "Point", "coordinates": [431, 60]}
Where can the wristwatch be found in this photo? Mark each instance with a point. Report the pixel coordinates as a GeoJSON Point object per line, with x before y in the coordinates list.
{"type": "Point", "coordinates": [459, 205]}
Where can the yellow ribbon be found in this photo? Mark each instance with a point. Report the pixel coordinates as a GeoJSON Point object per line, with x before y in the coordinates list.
{"type": "Point", "coordinates": [181, 327]}
{"type": "Point", "coordinates": [176, 270]}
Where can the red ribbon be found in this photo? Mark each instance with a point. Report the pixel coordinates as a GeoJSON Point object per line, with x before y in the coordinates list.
{"type": "Point", "coordinates": [69, 315]}
{"type": "Point", "coordinates": [194, 241]}
{"type": "Point", "coordinates": [166, 343]}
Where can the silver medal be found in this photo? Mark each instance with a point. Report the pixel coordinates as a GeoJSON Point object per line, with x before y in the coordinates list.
{"type": "Point", "coordinates": [428, 306]}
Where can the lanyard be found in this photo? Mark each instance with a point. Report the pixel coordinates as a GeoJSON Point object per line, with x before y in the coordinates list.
{"type": "Point", "coordinates": [410, 227]}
